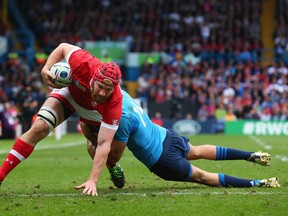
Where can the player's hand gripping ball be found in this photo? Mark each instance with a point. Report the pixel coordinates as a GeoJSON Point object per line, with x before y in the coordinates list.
{"type": "Point", "coordinates": [62, 73]}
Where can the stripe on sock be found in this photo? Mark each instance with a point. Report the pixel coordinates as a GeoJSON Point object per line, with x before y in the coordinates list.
{"type": "Point", "coordinates": [255, 182]}
{"type": "Point", "coordinates": [17, 155]}
{"type": "Point", "coordinates": [221, 153]}
{"type": "Point", "coordinates": [221, 179]}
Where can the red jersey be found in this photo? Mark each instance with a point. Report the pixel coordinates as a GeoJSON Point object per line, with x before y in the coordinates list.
{"type": "Point", "coordinates": [83, 65]}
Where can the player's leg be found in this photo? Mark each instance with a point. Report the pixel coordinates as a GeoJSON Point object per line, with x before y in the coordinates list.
{"type": "Point", "coordinates": [91, 137]}
{"type": "Point", "coordinates": [49, 116]}
{"type": "Point", "coordinates": [91, 134]}
{"type": "Point", "coordinates": [212, 152]}
{"type": "Point", "coordinates": [222, 180]}
{"type": "Point", "coordinates": [115, 170]}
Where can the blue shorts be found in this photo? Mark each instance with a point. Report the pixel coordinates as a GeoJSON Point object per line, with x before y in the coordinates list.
{"type": "Point", "coordinates": [172, 164]}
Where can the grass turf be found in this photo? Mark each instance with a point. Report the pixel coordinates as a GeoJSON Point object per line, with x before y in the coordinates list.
{"type": "Point", "coordinates": [43, 184]}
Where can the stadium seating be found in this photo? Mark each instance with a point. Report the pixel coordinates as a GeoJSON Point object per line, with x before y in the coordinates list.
{"type": "Point", "coordinates": [211, 52]}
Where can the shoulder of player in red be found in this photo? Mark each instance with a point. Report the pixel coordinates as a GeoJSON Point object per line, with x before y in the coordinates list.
{"type": "Point", "coordinates": [111, 110]}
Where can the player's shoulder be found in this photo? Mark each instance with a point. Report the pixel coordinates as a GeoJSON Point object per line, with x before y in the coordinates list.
{"type": "Point", "coordinates": [85, 57]}
{"type": "Point", "coordinates": [79, 52]}
{"type": "Point", "coordinates": [118, 93]}
{"type": "Point", "coordinates": [126, 96]}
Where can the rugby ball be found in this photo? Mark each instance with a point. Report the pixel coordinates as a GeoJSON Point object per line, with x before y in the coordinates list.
{"type": "Point", "coordinates": [62, 73]}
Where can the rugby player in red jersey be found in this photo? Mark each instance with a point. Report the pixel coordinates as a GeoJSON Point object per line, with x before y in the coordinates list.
{"type": "Point", "coordinates": [95, 95]}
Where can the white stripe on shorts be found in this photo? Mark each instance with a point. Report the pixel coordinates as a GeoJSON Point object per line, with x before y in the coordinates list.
{"type": "Point", "coordinates": [92, 115]}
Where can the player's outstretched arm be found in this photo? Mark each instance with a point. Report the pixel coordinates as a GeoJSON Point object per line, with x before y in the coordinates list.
{"type": "Point", "coordinates": [105, 138]}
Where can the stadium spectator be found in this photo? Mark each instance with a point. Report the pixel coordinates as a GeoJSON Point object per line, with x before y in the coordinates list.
{"type": "Point", "coordinates": [40, 57]}
{"type": "Point", "coordinates": [265, 114]}
{"type": "Point", "coordinates": [96, 97]}
{"type": "Point", "coordinates": [189, 116]}
{"type": "Point", "coordinates": [220, 114]}
{"type": "Point", "coordinates": [253, 114]}
{"type": "Point", "coordinates": [157, 119]}
{"type": "Point", "coordinates": [8, 119]}
{"type": "Point", "coordinates": [105, 56]}
{"type": "Point", "coordinates": [228, 93]}
{"type": "Point", "coordinates": [211, 108]}
{"type": "Point", "coordinates": [276, 113]}
{"type": "Point", "coordinates": [13, 57]}
{"type": "Point", "coordinates": [167, 154]}
{"type": "Point", "coordinates": [284, 115]}
{"type": "Point", "coordinates": [230, 115]}
{"type": "Point", "coordinates": [203, 114]}
{"type": "Point", "coordinates": [28, 107]}
{"type": "Point", "coordinates": [190, 57]}
{"type": "Point", "coordinates": [239, 113]}
{"type": "Point", "coordinates": [143, 81]}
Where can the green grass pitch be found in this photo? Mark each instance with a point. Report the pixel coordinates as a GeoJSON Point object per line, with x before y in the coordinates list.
{"type": "Point", "coordinates": [43, 184]}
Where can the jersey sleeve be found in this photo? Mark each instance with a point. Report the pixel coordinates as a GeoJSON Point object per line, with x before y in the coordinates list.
{"type": "Point", "coordinates": [112, 114]}
{"type": "Point", "coordinates": [124, 130]}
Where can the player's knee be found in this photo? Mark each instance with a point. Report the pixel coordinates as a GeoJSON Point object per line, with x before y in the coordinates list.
{"type": "Point", "coordinates": [194, 153]}
{"type": "Point", "coordinates": [91, 145]}
{"type": "Point", "coordinates": [49, 116]}
{"type": "Point", "coordinates": [198, 175]}
{"type": "Point", "coordinates": [84, 127]}
{"type": "Point", "coordinates": [86, 132]}
{"type": "Point", "coordinates": [39, 129]}
{"type": "Point", "coordinates": [90, 132]}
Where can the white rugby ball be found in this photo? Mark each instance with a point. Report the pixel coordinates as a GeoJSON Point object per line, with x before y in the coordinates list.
{"type": "Point", "coordinates": [62, 73]}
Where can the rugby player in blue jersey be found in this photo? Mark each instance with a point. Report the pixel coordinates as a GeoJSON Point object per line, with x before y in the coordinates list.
{"type": "Point", "coordinates": [167, 154]}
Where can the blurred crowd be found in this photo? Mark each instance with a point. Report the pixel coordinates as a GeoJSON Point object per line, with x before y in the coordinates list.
{"type": "Point", "coordinates": [210, 53]}
{"type": "Point", "coordinates": [22, 92]}
{"type": "Point", "coordinates": [218, 68]}
{"type": "Point", "coordinates": [281, 33]}
{"type": "Point", "coordinates": [221, 26]}
{"type": "Point", "coordinates": [234, 91]}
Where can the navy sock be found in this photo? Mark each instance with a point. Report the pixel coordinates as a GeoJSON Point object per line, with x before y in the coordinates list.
{"type": "Point", "coordinates": [223, 153]}
{"type": "Point", "coordinates": [229, 181]}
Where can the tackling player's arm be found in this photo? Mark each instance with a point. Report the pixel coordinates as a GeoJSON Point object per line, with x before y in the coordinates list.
{"type": "Point", "coordinates": [116, 151]}
{"type": "Point", "coordinates": [57, 55]}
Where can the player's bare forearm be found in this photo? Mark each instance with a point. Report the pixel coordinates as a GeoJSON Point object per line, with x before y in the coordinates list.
{"type": "Point", "coordinates": [90, 186]}
{"type": "Point", "coordinates": [100, 158]}
{"type": "Point", "coordinates": [58, 54]}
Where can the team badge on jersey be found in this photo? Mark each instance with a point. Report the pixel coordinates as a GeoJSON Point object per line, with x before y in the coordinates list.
{"type": "Point", "coordinates": [115, 122]}
{"type": "Point", "coordinates": [79, 85]}
{"type": "Point", "coordinates": [94, 103]}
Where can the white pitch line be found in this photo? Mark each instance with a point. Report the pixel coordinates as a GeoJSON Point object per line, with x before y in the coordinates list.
{"type": "Point", "coordinates": [260, 142]}
{"type": "Point", "coordinates": [65, 145]}
{"type": "Point", "coordinates": [283, 158]}
{"type": "Point", "coordinates": [146, 194]}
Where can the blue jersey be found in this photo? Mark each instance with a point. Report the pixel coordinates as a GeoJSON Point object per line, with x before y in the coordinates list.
{"type": "Point", "coordinates": [144, 138]}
